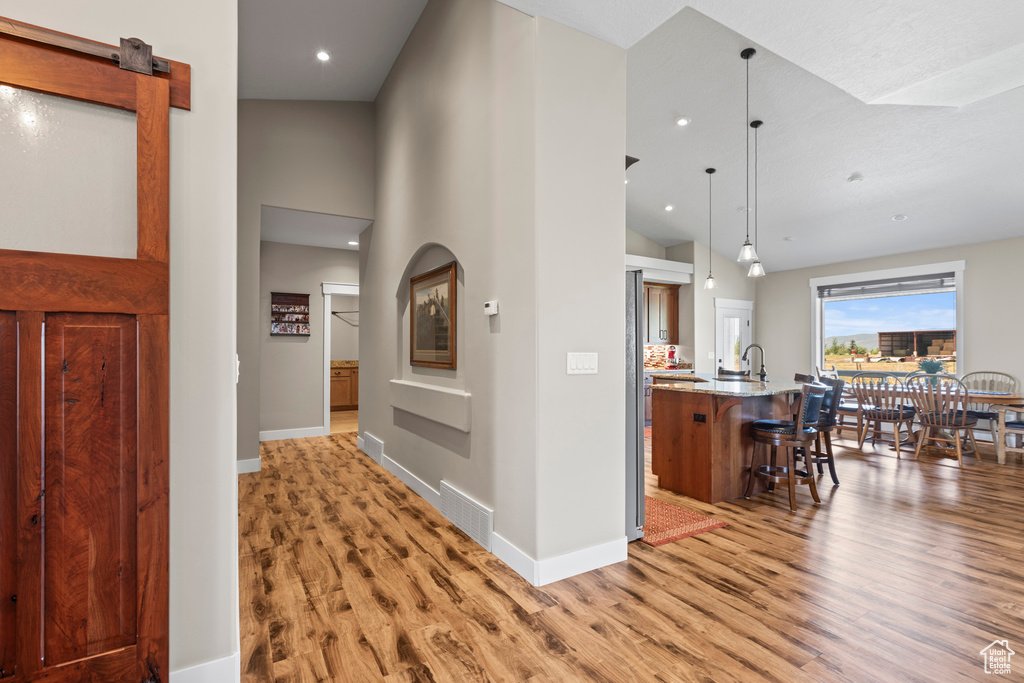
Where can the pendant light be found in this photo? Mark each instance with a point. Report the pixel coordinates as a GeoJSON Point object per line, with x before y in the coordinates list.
{"type": "Point", "coordinates": [747, 251]}
{"type": "Point", "coordinates": [756, 269]}
{"type": "Point", "coordinates": [710, 282]}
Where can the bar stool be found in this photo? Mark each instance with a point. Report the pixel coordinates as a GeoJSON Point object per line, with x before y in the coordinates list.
{"type": "Point", "coordinates": [826, 423]}
{"type": "Point", "coordinates": [790, 434]}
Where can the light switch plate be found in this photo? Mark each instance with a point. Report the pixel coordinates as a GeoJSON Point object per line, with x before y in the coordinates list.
{"type": "Point", "coordinates": [711, 355]}
{"type": "Point", "coordinates": [581, 364]}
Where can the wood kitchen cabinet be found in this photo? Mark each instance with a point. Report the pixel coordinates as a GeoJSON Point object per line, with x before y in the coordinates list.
{"type": "Point", "coordinates": [661, 304]}
{"type": "Point", "coordinates": [344, 388]}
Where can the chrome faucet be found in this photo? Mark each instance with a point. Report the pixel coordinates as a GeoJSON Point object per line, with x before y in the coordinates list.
{"type": "Point", "coordinates": [763, 374]}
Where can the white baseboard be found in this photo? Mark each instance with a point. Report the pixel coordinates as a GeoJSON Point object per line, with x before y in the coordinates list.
{"type": "Point", "coordinates": [537, 572]}
{"type": "Point", "coordinates": [422, 488]}
{"type": "Point", "coordinates": [250, 465]}
{"type": "Point", "coordinates": [302, 433]}
{"type": "Point", "coordinates": [224, 670]}
{"type": "Point", "coordinates": [359, 442]}
{"type": "Point", "coordinates": [543, 572]}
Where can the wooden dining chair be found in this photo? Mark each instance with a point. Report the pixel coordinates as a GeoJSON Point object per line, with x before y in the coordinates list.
{"type": "Point", "coordinates": [990, 382]}
{"type": "Point", "coordinates": [940, 401]}
{"type": "Point", "coordinates": [1010, 427]}
{"type": "Point", "coordinates": [881, 398]}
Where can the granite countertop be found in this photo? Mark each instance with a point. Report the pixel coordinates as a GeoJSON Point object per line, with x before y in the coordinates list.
{"type": "Point", "coordinates": [335, 364]}
{"type": "Point", "coordinates": [705, 383]}
{"type": "Point", "coordinates": [682, 367]}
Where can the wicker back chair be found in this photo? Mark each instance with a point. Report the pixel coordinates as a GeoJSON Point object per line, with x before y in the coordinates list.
{"type": "Point", "coordinates": [940, 401]}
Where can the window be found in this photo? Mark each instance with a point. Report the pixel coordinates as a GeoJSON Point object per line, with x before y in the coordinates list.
{"type": "Point", "coordinates": [888, 320]}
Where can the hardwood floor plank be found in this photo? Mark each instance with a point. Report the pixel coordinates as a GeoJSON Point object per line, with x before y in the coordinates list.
{"type": "Point", "coordinates": [904, 572]}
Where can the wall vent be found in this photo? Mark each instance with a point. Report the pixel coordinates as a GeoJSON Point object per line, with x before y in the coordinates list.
{"type": "Point", "coordinates": [467, 514]}
{"type": "Point", "coordinates": [373, 447]}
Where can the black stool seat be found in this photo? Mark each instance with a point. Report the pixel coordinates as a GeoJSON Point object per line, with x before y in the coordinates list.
{"type": "Point", "coordinates": [983, 414]}
{"type": "Point", "coordinates": [780, 427]}
{"type": "Point", "coordinates": [1015, 424]}
{"type": "Point", "coordinates": [789, 435]}
{"type": "Point", "coordinates": [957, 419]}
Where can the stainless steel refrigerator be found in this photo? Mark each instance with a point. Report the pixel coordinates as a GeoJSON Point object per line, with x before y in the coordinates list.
{"type": "Point", "coordinates": [634, 405]}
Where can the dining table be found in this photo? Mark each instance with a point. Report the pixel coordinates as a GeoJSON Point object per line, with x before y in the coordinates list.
{"type": "Point", "coordinates": [1004, 402]}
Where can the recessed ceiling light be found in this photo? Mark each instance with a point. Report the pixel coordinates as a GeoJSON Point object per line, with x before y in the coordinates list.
{"type": "Point", "coordinates": [669, 207]}
{"type": "Point", "coordinates": [323, 55]}
{"type": "Point", "coordinates": [627, 181]}
{"type": "Point", "coordinates": [354, 244]}
{"type": "Point", "coordinates": [682, 121]}
{"type": "Point", "coordinates": [899, 217]}
{"type": "Point", "coordinates": [789, 238]}
{"type": "Point", "coordinates": [855, 178]}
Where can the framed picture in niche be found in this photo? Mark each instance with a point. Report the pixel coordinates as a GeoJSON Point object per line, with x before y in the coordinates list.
{"type": "Point", "coordinates": [432, 318]}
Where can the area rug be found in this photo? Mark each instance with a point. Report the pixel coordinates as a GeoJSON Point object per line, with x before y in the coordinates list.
{"type": "Point", "coordinates": [665, 522]}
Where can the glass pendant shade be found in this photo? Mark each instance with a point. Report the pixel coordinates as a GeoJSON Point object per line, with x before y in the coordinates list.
{"type": "Point", "coordinates": [710, 282]}
{"type": "Point", "coordinates": [756, 269]}
{"type": "Point", "coordinates": [747, 253]}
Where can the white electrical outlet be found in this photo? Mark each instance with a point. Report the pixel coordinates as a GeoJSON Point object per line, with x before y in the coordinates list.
{"type": "Point", "coordinates": [581, 364]}
{"type": "Point", "coordinates": [711, 355]}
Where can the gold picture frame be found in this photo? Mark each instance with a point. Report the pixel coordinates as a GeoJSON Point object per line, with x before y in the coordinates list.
{"type": "Point", "coordinates": [432, 318]}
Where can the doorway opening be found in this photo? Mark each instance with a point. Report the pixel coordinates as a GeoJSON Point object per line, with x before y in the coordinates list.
{"type": "Point", "coordinates": [733, 332]}
{"type": "Point", "coordinates": [341, 358]}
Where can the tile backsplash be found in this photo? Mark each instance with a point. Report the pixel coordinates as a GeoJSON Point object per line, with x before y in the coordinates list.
{"type": "Point", "coordinates": [656, 356]}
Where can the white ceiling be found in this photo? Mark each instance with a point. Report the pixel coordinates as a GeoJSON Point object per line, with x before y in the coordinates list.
{"type": "Point", "coordinates": [278, 41]}
{"type": "Point", "coordinates": [955, 172]}
{"type": "Point", "coordinates": [310, 228]}
{"type": "Point", "coordinates": [832, 81]}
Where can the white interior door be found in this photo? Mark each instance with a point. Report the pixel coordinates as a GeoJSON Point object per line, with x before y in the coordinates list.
{"type": "Point", "coordinates": [732, 333]}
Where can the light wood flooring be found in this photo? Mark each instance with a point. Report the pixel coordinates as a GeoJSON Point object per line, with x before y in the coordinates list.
{"type": "Point", "coordinates": [344, 421]}
{"type": "Point", "coordinates": [904, 573]}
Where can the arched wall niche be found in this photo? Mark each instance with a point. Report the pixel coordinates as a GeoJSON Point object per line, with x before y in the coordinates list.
{"type": "Point", "coordinates": [427, 257]}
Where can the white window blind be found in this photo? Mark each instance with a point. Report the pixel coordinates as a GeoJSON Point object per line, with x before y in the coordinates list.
{"type": "Point", "coordinates": [900, 286]}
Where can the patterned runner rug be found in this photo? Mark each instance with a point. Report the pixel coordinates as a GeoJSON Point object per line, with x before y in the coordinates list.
{"type": "Point", "coordinates": [665, 522]}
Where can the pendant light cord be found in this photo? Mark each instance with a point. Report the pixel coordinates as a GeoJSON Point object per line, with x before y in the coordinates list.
{"type": "Point", "coordinates": [755, 184]}
{"type": "Point", "coordinates": [746, 121]}
{"type": "Point", "coordinates": [710, 171]}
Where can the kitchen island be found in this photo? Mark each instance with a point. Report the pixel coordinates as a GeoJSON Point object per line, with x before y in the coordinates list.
{"type": "Point", "coordinates": [700, 431]}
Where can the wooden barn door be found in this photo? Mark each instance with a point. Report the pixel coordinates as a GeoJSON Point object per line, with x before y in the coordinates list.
{"type": "Point", "coordinates": [84, 390]}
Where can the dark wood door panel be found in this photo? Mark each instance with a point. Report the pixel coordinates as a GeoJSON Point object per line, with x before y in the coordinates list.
{"type": "Point", "coordinates": [91, 405]}
{"type": "Point", "coordinates": [8, 488]}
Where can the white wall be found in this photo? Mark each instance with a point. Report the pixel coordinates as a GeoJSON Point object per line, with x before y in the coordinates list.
{"type": "Point", "coordinates": [292, 368]}
{"type": "Point", "coordinates": [455, 167]}
{"type": "Point", "coordinates": [310, 156]}
{"type": "Point", "coordinates": [581, 303]}
{"type": "Point", "coordinates": [517, 171]}
{"type": "Point", "coordinates": [699, 303]}
{"type": "Point", "coordinates": [638, 245]}
{"type": "Point", "coordinates": [345, 330]}
{"type": "Point", "coordinates": [992, 329]}
{"type": "Point", "coordinates": [204, 537]}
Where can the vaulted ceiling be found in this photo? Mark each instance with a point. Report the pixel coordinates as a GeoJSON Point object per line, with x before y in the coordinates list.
{"type": "Point", "coordinates": [922, 100]}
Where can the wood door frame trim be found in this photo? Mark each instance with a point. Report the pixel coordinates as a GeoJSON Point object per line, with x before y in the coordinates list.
{"type": "Point", "coordinates": [179, 79]}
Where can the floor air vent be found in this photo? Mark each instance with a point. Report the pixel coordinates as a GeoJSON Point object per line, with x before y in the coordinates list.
{"type": "Point", "coordinates": [373, 447]}
{"type": "Point", "coordinates": [467, 514]}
